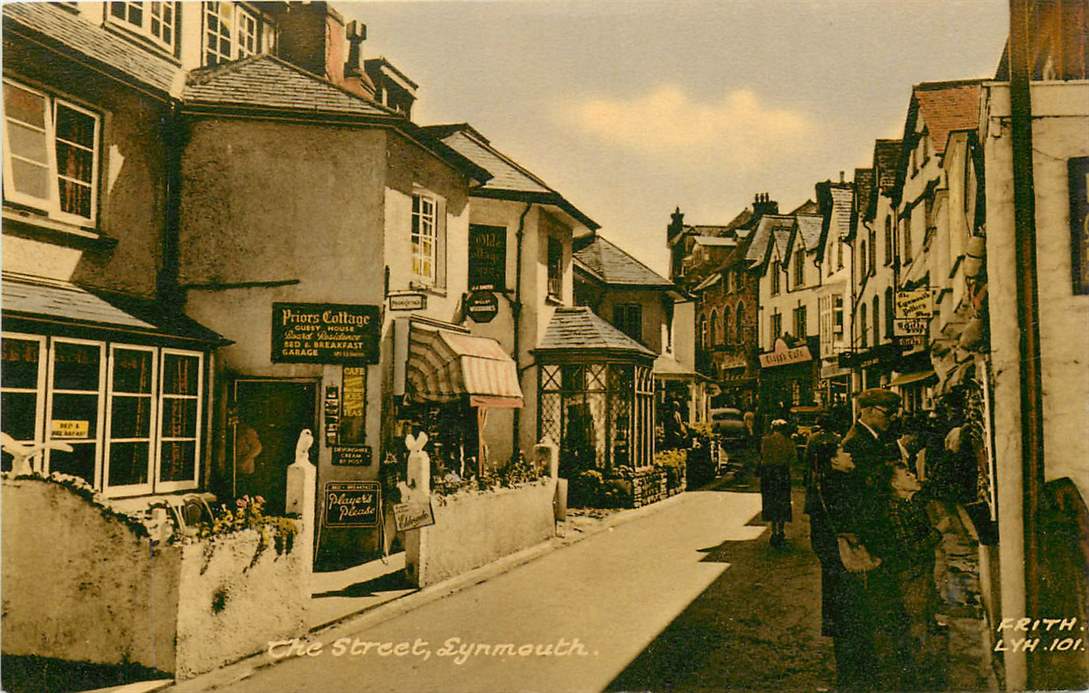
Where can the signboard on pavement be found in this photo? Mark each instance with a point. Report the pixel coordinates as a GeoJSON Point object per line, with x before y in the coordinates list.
{"type": "Point", "coordinates": [352, 503]}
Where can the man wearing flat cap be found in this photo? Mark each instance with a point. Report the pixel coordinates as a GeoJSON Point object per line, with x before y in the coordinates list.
{"type": "Point", "coordinates": [853, 494]}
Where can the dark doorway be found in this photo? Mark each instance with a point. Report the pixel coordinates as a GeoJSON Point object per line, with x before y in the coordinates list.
{"type": "Point", "coordinates": [271, 413]}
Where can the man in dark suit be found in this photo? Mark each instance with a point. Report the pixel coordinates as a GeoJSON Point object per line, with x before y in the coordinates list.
{"type": "Point", "coordinates": [854, 495]}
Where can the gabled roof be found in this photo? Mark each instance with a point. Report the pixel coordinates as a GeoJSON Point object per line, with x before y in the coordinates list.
{"type": "Point", "coordinates": [58, 28]}
{"type": "Point", "coordinates": [610, 265]}
{"type": "Point", "coordinates": [578, 329]}
{"type": "Point", "coordinates": [886, 155]}
{"type": "Point", "coordinates": [947, 106]}
{"type": "Point", "coordinates": [807, 207]}
{"type": "Point", "coordinates": [267, 82]}
{"type": "Point", "coordinates": [863, 190]}
{"type": "Point", "coordinates": [721, 230]}
{"type": "Point", "coordinates": [836, 201]}
{"type": "Point", "coordinates": [757, 253]}
{"type": "Point", "coordinates": [510, 180]}
{"type": "Point", "coordinates": [809, 230]}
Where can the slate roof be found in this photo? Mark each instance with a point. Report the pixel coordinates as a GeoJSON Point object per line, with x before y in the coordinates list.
{"type": "Point", "coordinates": [840, 219]}
{"type": "Point", "coordinates": [75, 305]}
{"type": "Point", "coordinates": [948, 106]}
{"type": "Point", "coordinates": [611, 265]}
{"type": "Point", "coordinates": [863, 189]}
{"type": "Point", "coordinates": [809, 228]}
{"type": "Point", "coordinates": [886, 155]}
{"type": "Point", "coordinates": [720, 230]}
{"type": "Point", "coordinates": [508, 176]}
{"type": "Point", "coordinates": [268, 82]}
{"type": "Point", "coordinates": [758, 248]}
{"type": "Point", "coordinates": [807, 207]}
{"type": "Point", "coordinates": [58, 27]}
{"type": "Point", "coordinates": [577, 328]}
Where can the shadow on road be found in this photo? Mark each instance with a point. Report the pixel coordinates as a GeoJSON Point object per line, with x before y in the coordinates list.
{"type": "Point", "coordinates": [757, 627]}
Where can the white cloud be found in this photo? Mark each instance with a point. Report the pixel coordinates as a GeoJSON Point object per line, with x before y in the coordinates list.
{"type": "Point", "coordinates": [735, 129]}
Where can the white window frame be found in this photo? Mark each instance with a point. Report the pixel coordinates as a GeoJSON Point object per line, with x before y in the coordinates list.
{"type": "Point", "coordinates": [50, 392]}
{"type": "Point", "coordinates": [240, 18]}
{"type": "Point", "coordinates": [153, 452]}
{"type": "Point", "coordinates": [144, 28]}
{"type": "Point", "coordinates": [51, 205]}
{"type": "Point", "coordinates": [168, 486]}
{"type": "Point", "coordinates": [417, 237]}
{"type": "Point", "coordinates": [39, 393]}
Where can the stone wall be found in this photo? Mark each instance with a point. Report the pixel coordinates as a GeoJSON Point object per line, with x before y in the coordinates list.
{"type": "Point", "coordinates": [475, 528]}
{"type": "Point", "coordinates": [84, 584]}
{"type": "Point", "coordinates": [234, 597]}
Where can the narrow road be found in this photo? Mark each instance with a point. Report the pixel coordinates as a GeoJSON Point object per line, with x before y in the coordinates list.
{"type": "Point", "coordinates": [690, 597]}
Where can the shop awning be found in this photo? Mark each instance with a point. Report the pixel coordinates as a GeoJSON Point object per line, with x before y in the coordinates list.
{"type": "Point", "coordinates": [908, 378]}
{"type": "Point", "coordinates": [445, 367]}
{"type": "Point", "coordinates": [53, 307]}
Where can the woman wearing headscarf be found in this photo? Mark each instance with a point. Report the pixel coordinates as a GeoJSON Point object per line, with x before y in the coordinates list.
{"type": "Point", "coordinates": [777, 454]}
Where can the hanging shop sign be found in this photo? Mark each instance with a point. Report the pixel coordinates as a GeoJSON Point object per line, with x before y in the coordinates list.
{"type": "Point", "coordinates": [782, 355]}
{"type": "Point", "coordinates": [482, 306]}
{"type": "Point", "coordinates": [413, 515]}
{"type": "Point", "coordinates": [325, 333]}
{"type": "Point", "coordinates": [352, 503]}
{"type": "Point", "coordinates": [355, 456]}
{"type": "Point", "coordinates": [487, 256]}
{"type": "Point", "coordinates": [408, 301]}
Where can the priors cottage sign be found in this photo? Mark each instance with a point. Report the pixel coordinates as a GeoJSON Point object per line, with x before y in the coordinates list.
{"type": "Point", "coordinates": [325, 333]}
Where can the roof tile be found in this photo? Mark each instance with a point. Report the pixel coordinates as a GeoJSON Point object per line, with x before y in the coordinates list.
{"type": "Point", "coordinates": [577, 328]}
{"type": "Point", "coordinates": [614, 266]}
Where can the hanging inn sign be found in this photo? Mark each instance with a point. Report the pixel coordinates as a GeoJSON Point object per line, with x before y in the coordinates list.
{"type": "Point", "coordinates": [325, 333]}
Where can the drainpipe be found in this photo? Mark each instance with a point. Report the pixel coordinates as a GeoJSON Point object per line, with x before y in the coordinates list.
{"type": "Point", "coordinates": [516, 319]}
{"type": "Point", "coordinates": [1024, 200]}
{"type": "Point", "coordinates": [173, 134]}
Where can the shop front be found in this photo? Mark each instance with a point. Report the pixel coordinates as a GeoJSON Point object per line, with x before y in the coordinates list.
{"type": "Point", "coordinates": [452, 380]}
{"type": "Point", "coordinates": [788, 378]}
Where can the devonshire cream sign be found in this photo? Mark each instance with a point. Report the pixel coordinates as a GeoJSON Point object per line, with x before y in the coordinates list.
{"type": "Point", "coordinates": [782, 355]}
{"type": "Point", "coordinates": [324, 333]}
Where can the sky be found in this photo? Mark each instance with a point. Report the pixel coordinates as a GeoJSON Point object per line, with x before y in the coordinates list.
{"type": "Point", "coordinates": [632, 108]}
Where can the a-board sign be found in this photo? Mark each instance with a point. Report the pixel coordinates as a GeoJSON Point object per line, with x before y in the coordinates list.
{"type": "Point", "coordinates": [354, 456]}
{"type": "Point", "coordinates": [482, 306]}
{"type": "Point", "coordinates": [408, 301]}
{"type": "Point", "coordinates": [325, 333]}
{"type": "Point", "coordinates": [352, 503]}
{"type": "Point", "coordinates": [413, 515]}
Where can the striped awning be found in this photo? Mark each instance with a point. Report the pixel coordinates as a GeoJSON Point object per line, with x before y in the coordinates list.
{"type": "Point", "coordinates": [447, 367]}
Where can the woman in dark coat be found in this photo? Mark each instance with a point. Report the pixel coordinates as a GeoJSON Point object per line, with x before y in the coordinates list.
{"type": "Point", "coordinates": [777, 454]}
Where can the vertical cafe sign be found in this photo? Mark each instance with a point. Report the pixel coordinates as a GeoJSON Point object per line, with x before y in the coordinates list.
{"type": "Point", "coordinates": [325, 333]}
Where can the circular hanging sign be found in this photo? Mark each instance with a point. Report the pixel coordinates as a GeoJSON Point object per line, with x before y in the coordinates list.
{"type": "Point", "coordinates": [482, 306]}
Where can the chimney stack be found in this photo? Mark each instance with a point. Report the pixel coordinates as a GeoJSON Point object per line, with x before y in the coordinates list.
{"type": "Point", "coordinates": [676, 223]}
{"type": "Point", "coordinates": [763, 204]}
{"type": "Point", "coordinates": [841, 181]}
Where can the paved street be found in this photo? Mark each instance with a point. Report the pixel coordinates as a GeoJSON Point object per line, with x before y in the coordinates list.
{"type": "Point", "coordinates": [688, 597]}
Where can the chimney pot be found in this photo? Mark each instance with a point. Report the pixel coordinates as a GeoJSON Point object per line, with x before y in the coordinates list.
{"type": "Point", "coordinates": [841, 176]}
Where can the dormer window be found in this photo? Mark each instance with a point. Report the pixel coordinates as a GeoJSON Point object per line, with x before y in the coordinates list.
{"type": "Point", "coordinates": [155, 19]}
{"type": "Point", "coordinates": [232, 32]}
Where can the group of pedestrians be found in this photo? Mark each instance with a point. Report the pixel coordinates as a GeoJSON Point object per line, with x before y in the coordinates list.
{"type": "Point", "coordinates": [872, 534]}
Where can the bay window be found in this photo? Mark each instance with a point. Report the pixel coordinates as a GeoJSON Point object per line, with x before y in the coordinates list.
{"type": "Point", "coordinates": [50, 154]}
{"type": "Point", "coordinates": [131, 414]}
{"type": "Point", "coordinates": [155, 19]}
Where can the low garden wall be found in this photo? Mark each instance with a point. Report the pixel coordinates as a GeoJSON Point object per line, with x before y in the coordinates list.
{"type": "Point", "coordinates": [84, 583]}
{"type": "Point", "coordinates": [473, 528]}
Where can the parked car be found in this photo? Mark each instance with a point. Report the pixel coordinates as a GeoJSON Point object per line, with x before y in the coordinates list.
{"type": "Point", "coordinates": [729, 424]}
{"type": "Point", "coordinates": [804, 419]}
